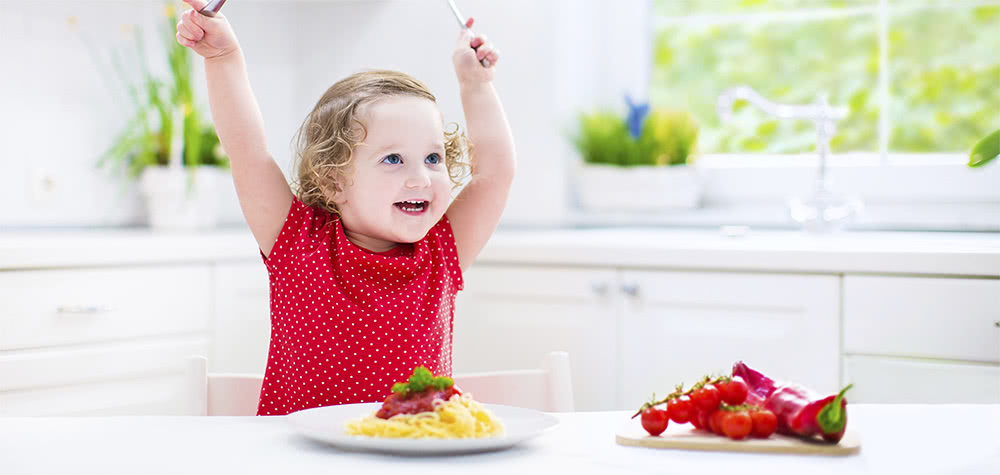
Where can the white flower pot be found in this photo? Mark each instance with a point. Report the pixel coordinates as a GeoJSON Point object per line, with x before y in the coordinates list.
{"type": "Point", "coordinates": [642, 188]}
{"type": "Point", "coordinates": [179, 199]}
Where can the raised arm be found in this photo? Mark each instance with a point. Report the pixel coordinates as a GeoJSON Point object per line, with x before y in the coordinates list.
{"type": "Point", "coordinates": [264, 195]}
{"type": "Point", "coordinates": [476, 211]}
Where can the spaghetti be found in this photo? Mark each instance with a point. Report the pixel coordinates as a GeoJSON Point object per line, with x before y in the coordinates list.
{"type": "Point", "coordinates": [460, 417]}
{"type": "Point", "coordinates": [427, 407]}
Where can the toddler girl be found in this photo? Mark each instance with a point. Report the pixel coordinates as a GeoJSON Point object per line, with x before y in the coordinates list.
{"type": "Point", "coordinates": [366, 257]}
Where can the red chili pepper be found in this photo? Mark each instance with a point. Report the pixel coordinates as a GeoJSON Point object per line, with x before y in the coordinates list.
{"type": "Point", "coordinates": [801, 411]}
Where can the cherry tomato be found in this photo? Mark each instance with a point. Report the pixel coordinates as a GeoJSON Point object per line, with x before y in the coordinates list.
{"type": "Point", "coordinates": [655, 420]}
{"type": "Point", "coordinates": [699, 419]}
{"type": "Point", "coordinates": [710, 421]}
{"type": "Point", "coordinates": [681, 409]}
{"type": "Point", "coordinates": [736, 425]}
{"type": "Point", "coordinates": [716, 419]}
{"type": "Point", "coordinates": [764, 423]}
{"type": "Point", "coordinates": [706, 398]}
{"type": "Point", "coordinates": [734, 391]}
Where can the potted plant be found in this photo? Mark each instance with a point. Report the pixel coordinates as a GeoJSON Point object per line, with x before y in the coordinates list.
{"type": "Point", "coordinates": [166, 144]}
{"type": "Point", "coordinates": [642, 162]}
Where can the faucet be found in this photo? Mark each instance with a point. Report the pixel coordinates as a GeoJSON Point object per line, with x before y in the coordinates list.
{"type": "Point", "coordinates": [825, 210]}
{"type": "Point", "coordinates": [821, 111]}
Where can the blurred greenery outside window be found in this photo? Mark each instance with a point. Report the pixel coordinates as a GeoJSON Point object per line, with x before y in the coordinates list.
{"type": "Point", "coordinates": [918, 76]}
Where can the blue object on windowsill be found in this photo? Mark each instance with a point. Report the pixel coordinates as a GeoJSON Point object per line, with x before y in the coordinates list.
{"type": "Point", "coordinates": [636, 115]}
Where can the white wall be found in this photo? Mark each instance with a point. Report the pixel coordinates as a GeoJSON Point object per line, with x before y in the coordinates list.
{"type": "Point", "coordinates": [60, 109]}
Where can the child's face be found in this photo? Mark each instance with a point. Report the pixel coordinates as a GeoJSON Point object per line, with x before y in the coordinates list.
{"type": "Point", "coordinates": [399, 186]}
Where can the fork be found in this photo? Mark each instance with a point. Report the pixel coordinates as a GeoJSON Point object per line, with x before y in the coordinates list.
{"type": "Point", "coordinates": [212, 8]}
{"type": "Point", "coordinates": [461, 21]}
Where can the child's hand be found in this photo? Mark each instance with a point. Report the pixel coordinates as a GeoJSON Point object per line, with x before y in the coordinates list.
{"type": "Point", "coordinates": [469, 51]}
{"type": "Point", "coordinates": [210, 37]}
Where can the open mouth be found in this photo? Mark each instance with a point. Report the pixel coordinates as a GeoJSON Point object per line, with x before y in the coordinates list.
{"type": "Point", "coordinates": [412, 207]}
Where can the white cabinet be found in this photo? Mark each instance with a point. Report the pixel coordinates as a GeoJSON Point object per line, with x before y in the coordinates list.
{"type": "Point", "coordinates": [242, 326]}
{"type": "Point", "coordinates": [922, 339]}
{"type": "Point", "coordinates": [44, 308]}
{"type": "Point", "coordinates": [884, 379]}
{"type": "Point", "coordinates": [103, 341]}
{"type": "Point", "coordinates": [96, 336]}
{"type": "Point", "coordinates": [113, 341]}
{"type": "Point", "coordinates": [114, 378]}
{"type": "Point", "coordinates": [509, 317]}
{"type": "Point", "coordinates": [948, 318]}
{"type": "Point", "coordinates": [630, 333]}
{"type": "Point", "coordinates": [679, 326]}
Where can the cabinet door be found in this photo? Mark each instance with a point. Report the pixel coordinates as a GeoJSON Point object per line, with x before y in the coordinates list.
{"type": "Point", "coordinates": [141, 396]}
{"type": "Point", "coordinates": [679, 326]}
{"type": "Point", "coordinates": [880, 379]}
{"type": "Point", "coordinates": [138, 377]}
{"type": "Point", "coordinates": [242, 318]}
{"type": "Point", "coordinates": [945, 318]}
{"type": "Point", "coordinates": [49, 308]}
{"type": "Point", "coordinates": [509, 317]}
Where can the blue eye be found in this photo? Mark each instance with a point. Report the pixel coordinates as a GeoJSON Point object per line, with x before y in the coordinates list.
{"type": "Point", "coordinates": [433, 159]}
{"type": "Point", "coordinates": [393, 159]}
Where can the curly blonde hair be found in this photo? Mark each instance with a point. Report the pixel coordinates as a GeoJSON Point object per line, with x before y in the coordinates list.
{"type": "Point", "coordinates": [330, 133]}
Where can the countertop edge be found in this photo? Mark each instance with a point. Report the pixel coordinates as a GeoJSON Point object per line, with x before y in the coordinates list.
{"type": "Point", "coordinates": [931, 254]}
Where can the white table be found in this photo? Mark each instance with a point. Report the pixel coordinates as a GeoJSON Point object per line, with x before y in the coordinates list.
{"type": "Point", "coordinates": [896, 439]}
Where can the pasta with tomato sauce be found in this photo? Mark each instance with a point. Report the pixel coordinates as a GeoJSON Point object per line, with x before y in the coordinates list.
{"type": "Point", "coordinates": [427, 407]}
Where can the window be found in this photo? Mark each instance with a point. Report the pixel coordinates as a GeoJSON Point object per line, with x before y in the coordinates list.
{"type": "Point", "coordinates": [918, 76]}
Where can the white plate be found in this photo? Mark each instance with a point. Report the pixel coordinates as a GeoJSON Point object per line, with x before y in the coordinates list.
{"type": "Point", "coordinates": [326, 424]}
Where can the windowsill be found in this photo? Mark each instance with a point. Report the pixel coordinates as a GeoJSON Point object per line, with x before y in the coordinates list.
{"type": "Point", "coordinates": [982, 217]}
{"type": "Point", "coordinates": [908, 193]}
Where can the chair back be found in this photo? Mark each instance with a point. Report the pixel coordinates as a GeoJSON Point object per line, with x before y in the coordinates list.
{"type": "Point", "coordinates": [548, 388]}
{"type": "Point", "coordinates": [221, 394]}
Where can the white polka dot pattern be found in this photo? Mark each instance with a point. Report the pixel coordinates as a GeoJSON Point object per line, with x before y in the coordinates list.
{"type": "Point", "coordinates": [346, 323]}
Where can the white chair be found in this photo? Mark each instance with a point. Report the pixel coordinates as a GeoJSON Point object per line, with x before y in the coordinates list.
{"type": "Point", "coordinates": [220, 394]}
{"type": "Point", "coordinates": [549, 388]}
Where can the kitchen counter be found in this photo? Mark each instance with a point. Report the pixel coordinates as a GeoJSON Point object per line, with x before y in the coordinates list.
{"type": "Point", "coordinates": [738, 249]}
{"type": "Point", "coordinates": [910, 439]}
{"type": "Point", "coordinates": [967, 254]}
{"type": "Point", "coordinates": [109, 247]}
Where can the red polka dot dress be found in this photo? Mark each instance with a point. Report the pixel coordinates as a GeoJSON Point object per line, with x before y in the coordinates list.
{"type": "Point", "coordinates": [347, 323]}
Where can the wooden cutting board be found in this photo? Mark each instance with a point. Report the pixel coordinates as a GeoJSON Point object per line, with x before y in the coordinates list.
{"type": "Point", "coordinates": [685, 437]}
